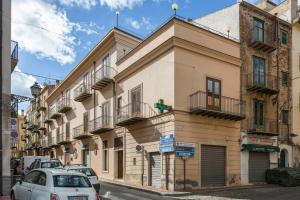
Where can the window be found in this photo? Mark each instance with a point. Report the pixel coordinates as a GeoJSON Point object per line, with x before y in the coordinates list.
{"type": "Point", "coordinates": [41, 180]}
{"type": "Point", "coordinates": [258, 71]}
{"type": "Point", "coordinates": [85, 122]}
{"type": "Point", "coordinates": [118, 142]}
{"type": "Point", "coordinates": [105, 65]}
{"type": "Point", "coordinates": [119, 105]}
{"type": "Point", "coordinates": [258, 113]}
{"type": "Point", "coordinates": [136, 99]}
{"type": "Point", "coordinates": [71, 181]}
{"type": "Point", "coordinates": [285, 78]}
{"type": "Point", "coordinates": [32, 177]}
{"type": "Point", "coordinates": [86, 171]}
{"type": "Point", "coordinates": [85, 82]}
{"type": "Point", "coordinates": [258, 30]}
{"type": "Point", "coordinates": [285, 116]}
{"type": "Point", "coordinates": [68, 130]}
{"type": "Point", "coordinates": [284, 37]}
{"type": "Point", "coordinates": [213, 94]}
{"type": "Point", "coordinates": [105, 155]}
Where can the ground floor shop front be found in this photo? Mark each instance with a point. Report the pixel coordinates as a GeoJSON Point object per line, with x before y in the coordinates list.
{"type": "Point", "coordinates": [132, 154]}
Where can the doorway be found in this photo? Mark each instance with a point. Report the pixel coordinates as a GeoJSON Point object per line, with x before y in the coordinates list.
{"type": "Point", "coordinates": [155, 169]}
{"type": "Point", "coordinates": [86, 157]}
{"type": "Point", "coordinates": [120, 164]}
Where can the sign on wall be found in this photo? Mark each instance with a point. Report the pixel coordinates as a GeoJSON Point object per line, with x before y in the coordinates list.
{"type": "Point", "coordinates": [166, 143]}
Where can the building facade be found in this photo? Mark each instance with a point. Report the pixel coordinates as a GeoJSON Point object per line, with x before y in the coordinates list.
{"type": "Point", "coordinates": [104, 113]}
{"type": "Point", "coordinates": [265, 87]}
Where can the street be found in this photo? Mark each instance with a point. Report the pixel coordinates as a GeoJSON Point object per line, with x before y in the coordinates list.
{"type": "Point", "coordinates": [267, 192]}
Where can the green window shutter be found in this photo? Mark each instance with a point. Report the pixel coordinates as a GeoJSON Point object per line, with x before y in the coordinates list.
{"type": "Point", "coordinates": [285, 78]}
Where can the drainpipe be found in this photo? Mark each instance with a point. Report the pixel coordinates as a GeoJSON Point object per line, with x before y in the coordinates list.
{"type": "Point", "coordinates": [94, 63]}
{"type": "Point", "coordinates": [277, 65]}
{"type": "Point", "coordinates": [1, 104]}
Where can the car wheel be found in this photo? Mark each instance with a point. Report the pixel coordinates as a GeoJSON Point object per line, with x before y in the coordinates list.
{"type": "Point", "coordinates": [12, 196]}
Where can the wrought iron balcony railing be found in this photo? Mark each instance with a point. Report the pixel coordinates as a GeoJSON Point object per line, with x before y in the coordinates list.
{"type": "Point", "coordinates": [262, 39]}
{"type": "Point", "coordinates": [53, 142]}
{"type": "Point", "coordinates": [63, 138]}
{"type": "Point", "coordinates": [82, 92]}
{"type": "Point", "coordinates": [102, 77]}
{"type": "Point", "coordinates": [133, 113]}
{"type": "Point", "coordinates": [222, 107]}
{"type": "Point", "coordinates": [14, 48]}
{"type": "Point", "coordinates": [47, 119]}
{"type": "Point", "coordinates": [79, 132]}
{"type": "Point", "coordinates": [101, 124]}
{"type": "Point", "coordinates": [262, 83]}
{"type": "Point", "coordinates": [64, 105]}
{"type": "Point", "coordinates": [53, 112]}
{"type": "Point", "coordinates": [260, 125]}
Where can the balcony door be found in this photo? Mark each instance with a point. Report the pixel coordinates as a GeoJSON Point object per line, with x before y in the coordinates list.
{"type": "Point", "coordinates": [136, 99]}
{"type": "Point", "coordinates": [67, 98]}
{"type": "Point", "coordinates": [258, 30]}
{"type": "Point", "coordinates": [85, 82]}
{"type": "Point", "coordinates": [259, 114]}
{"type": "Point", "coordinates": [259, 71]}
{"type": "Point", "coordinates": [105, 64]}
{"type": "Point", "coordinates": [213, 97]}
{"type": "Point", "coordinates": [105, 113]}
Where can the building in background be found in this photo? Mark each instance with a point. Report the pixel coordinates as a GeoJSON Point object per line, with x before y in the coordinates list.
{"type": "Point", "coordinates": [18, 150]}
{"type": "Point", "coordinates": [289, 10]}
{"type": "Point", "coordinates": [265, 86]}
{"type": "Point", "coordinates": [9, 59]}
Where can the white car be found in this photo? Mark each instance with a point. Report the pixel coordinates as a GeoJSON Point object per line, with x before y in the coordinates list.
{"type": "Point", "coordinates": [89, 172]}
{"type": "Point", "coordinates": [54, 184]}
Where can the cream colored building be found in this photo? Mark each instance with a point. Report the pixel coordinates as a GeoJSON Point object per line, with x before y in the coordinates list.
{"type": "Point", "coordinates": [103, 114]}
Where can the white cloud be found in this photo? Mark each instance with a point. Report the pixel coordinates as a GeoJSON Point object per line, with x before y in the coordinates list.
{"type": "Point", "coordinates": [144, 22]}
{"type": "Point", "coordinates": [86, 4]}
{"type": "Point", "coordinates": [20, 83]}
{"type": "Point", "coordinates": [43, 30]}
{"type": "Point", "coordinates": [120, 4]}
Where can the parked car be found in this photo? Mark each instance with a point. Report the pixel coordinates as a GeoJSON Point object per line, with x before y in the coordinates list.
{"type": "Point", "coordinates": [53, 184]}
{"type": "Point", "coordinates": [288, 177]}
{"type": "Point", "coordinates": [45, 164]}
{"type": "Point", "coordinates": [26, 162]}
{"type": "Point", "coordinates": [89, 172]}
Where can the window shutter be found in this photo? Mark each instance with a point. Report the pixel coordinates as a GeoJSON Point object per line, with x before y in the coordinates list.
{"type": "Point", "coordinates": [68, 129]}
{"type": "Point", "coordinates": [85, 121]}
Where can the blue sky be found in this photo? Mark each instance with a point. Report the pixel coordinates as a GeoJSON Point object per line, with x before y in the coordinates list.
{"type": "Point", "coordinates": [54, 35]}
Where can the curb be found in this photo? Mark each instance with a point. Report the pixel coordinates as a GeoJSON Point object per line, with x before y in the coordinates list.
{"type": "Point", "coordinates": [181, 194]}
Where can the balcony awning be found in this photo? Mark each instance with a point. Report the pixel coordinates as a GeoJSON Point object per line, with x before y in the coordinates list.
{"type": "Point", "coordinates": [260, 148]}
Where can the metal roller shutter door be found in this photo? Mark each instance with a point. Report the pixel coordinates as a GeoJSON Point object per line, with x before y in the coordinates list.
{"type": "Point", "coordinates": [258, 164]}
{"type": "Point", "coordinates": [155, 169]}
{"type": "Point", "coordinates": [213, 161]}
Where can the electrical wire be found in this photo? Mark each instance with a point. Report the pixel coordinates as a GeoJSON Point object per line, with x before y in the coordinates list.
{"type": "Point", "coordinates": [40, 76]}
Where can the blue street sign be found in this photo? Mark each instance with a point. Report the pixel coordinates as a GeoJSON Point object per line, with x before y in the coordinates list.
{"type": "Point", "coordinates": [185, 151]}
{"type": "Point", "coordinates": [166, 143]}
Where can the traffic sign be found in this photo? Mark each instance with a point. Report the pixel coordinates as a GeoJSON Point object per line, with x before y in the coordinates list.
{"type": "Point", "coordinates": [166, 143]}
{"type": "Point", "coordinates": [185, 149]}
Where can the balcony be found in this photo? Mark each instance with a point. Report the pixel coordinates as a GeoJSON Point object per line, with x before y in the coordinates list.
{"type": "Point", "coordinates": [14, 48]}
{"type": "Point", "coordinates": [41, 107]}
{"type": "Point", "coordinates": [47, 120]}
{"type": "Point", "coordinates": [103, 77]}
{"type": "Point", "coordinates": [64, 105]}
{"type": "Point", "coordinates": [262, 40]}
{"type": "Point", "coordinates": [80, 133]}
{"type": "Point", "coordinates": [101, 125]}
{"type": "Point", "coordinates": [263, 126]}
{"type": "Point", "coordinates": [53, 142]}
{"type": "Point", "coordinates": [262, 83]}
{"type": "Point", "coordinates": [82, 92]}
{"type": "Point", "coordinates": [63, 139]}
{"type": "Point", "coordinates": [229, 108]}
{"type": "Point", "coordinates": [53, 112]}
{"type": "Point", "coordinates": [133, 113]}
{"type": "Point", "coordinates": [45, 143]}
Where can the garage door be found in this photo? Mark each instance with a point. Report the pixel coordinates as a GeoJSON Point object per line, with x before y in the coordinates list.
{"type": "Point", "coordinates": [155, 169]}
{"type": "Point", "coordinates": [213, 165]}
{"type": "Point", "coordinates": [258, 164]}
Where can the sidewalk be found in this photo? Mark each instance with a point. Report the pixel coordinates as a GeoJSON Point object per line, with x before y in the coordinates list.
{"type": "Point", "coordinates": [162, 192]}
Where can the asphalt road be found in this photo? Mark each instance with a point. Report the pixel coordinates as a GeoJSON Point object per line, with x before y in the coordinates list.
{"type": "Point", "coordinates": [123, 193]}
{"type": "Point", "coordinates": [267, 192]}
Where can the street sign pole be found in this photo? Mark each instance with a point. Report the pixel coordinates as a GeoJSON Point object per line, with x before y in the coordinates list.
{"type": "Point", "coordinates": [184, 158]}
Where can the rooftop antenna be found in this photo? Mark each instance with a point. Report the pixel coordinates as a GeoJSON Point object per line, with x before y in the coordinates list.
{"type": "Point", "coordinates": [117, 14]}
{"type": "Point", "coordinates": [175, 7]}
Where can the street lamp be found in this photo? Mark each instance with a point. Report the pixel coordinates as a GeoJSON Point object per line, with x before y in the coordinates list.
{"type": "Point", "coordinates": [175, 7]}
{"type": "Point", "coordinates": [35, 89]}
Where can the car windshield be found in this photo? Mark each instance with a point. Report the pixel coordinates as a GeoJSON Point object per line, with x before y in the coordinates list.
{"type": "Point", "coordinates": [71, 181]}
{"type": "Point", "coordinates": [86, 171]}
{"type": "Point", "coordinates": [50, 164]}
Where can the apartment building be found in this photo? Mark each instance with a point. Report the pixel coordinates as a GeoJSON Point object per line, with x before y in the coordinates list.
{"type": "Point", "coordinates": [18, 149]}
{"type": "Point", "coordinates": [103, 113]}
{"type": "Point", "coordinates": [289, 10]}
{"type": "Point", "coordinates": [265, 85]}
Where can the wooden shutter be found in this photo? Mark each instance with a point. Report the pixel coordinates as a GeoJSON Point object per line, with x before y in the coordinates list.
{"type": "Point", "coordinates": [68, 130]}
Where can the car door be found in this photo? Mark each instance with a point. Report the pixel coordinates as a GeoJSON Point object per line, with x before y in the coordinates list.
{"type": "Point", "coordinates": [39, 188]}
{"type": "Point", "coordinates": [24, 189]}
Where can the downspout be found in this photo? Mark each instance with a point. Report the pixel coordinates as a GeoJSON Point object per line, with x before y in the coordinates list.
{"type": "Point", "coordinates": [278, 79]}
{"type": "Point", "coordinates": [94, 63]}
{"type": "Point", "coordinates": [1, 104]}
